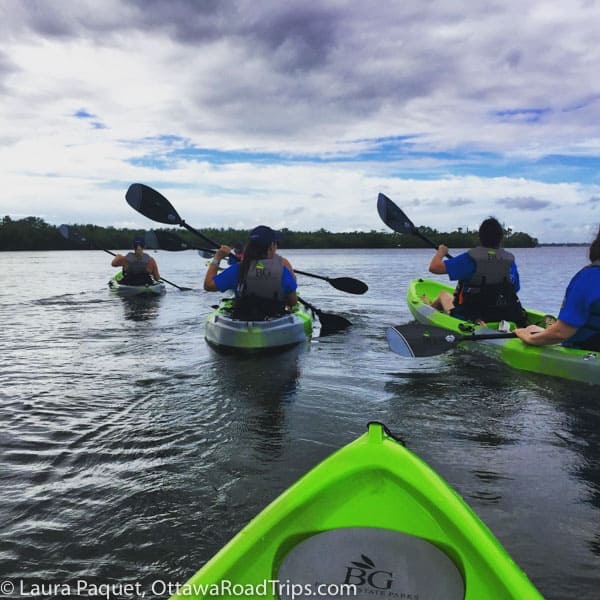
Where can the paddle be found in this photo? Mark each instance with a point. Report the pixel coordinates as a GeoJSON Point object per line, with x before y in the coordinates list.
{"type": "Point", "coordinates": [172, 242]}
{"type": "Point", "coordinates": [155, 206]}
{"type": "Point", "coordinates": [415, 340]}
{"type": "Point", "coordinates": [330, 323]}
{"type": "Point", "coordinates": [73, 235]}
{"type": "Point", "coordinates": [395, 219]}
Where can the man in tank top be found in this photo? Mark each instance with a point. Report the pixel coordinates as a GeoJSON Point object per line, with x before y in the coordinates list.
{"type": "Point", "coordinates": [138, 267]}
{"type": "Point", "coordinates": [488, 279]}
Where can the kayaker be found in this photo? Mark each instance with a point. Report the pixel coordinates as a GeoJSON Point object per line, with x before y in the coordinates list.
{"type": "Point", "coordinates": [138, 267]}
{"type": "Point", "coordinates": [488, 279]}
{"type": "Point", "coordinates": [578, 324]}
{"type": "Point", "coordinates": [264, 282]}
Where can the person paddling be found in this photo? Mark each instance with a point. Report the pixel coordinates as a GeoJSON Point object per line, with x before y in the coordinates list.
{"type": "Point", "coordinates": [138, 267]}
{"type": "Point", "coordinates": [264, 282]}
{"type": "Point", "coordinates": [488, 279]}
{"type": "Point", "coordinates": [578, 324]}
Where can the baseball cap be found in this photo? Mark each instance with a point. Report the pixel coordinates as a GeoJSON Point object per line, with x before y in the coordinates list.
{"type": "Point", "coordinates": [265, 235]}
{"type": "Point", "coordinates": [138, 241]}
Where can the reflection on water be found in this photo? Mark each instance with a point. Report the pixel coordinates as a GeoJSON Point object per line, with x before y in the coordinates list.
{"type": "Point", "coordinates": [131, 451]}
{"type": "Point", "coordinates": [140, 308]}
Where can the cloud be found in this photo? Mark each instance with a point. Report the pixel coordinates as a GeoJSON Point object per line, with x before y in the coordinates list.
{"type": "Point", "coordinates": [255, 109]}
{"type": "Point", "coordinates": [526, 203]}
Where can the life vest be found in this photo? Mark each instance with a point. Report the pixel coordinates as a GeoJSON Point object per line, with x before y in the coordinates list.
{"type": "Point", "coordinates": [261, 296]}
{"type": "Point", "coordinates": [136, 272]}
{"type": "Point", "coordinates": [135, 265]}
{"type": "Point", "coordinates": [263, 279]}
{"type": "Point", "coordinates": [489, 294]}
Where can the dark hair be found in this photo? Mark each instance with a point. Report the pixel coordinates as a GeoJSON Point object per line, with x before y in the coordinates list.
{"type": "Point", "coordinates": [253, 250]}
{"type": "Point", "coordinates": [491, 233]}
{"type": "Point", "coordinates": [595, 248]}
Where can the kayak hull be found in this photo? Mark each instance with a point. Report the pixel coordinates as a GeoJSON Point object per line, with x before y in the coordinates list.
{"type": "Point", "coordinates": [224, 333]}
{"type": "Point", "coordinates": [375, 516]}
{"type": "Point", "coordinates": [555, 360]}
{"type": "Point", "coordinates": [116, 287]}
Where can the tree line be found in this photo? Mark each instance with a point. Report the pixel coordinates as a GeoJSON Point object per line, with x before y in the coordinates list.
{"type": "Point", "coordinates": [33, 233]}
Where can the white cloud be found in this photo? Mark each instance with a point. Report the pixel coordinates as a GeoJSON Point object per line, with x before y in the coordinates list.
{"type": "Point", "coordinates": [487, 93]}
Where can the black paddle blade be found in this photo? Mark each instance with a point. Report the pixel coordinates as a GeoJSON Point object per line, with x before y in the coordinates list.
{"type": "Point", "coordinates": [152, 204]}
{"type": "Point", "coordinates": [393, 216]}
{"type": "Point", "coordinates": [415, 340]}
{"type": "Point", "coordinates": [72, 234]}
{"type": "Point", "coordinates": [331, 323]}
{"type": "Point", "coordinates": [349, 285]}
{"type": "Point", "coordinates": [169, 241]}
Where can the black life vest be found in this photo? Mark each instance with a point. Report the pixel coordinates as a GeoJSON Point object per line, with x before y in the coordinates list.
{"type": "Point", "coordinates": [136, 272]}
{"type": "Point", "coordinates": [260, 295]}
{"type": "Point", "coordinates": [489, 294]}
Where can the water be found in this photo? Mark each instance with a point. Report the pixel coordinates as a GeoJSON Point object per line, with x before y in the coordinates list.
{"type": "Point", "coordinates": [131, 452]}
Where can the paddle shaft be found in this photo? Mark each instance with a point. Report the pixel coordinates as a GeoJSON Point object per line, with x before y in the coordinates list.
{"type": "Point", "coordinates": [216, 245]}
{"type": "Point", "coordinates": [416, 232]}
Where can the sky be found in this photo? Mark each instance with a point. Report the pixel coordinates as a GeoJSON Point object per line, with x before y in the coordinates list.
{"type": "Point", "coordinates": [297, 114]}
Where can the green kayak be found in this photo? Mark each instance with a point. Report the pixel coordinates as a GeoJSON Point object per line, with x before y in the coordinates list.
{"type": "Point", "coordinates": [115, 286]}
{"type": "Point", "coordinates": [223, 332]}
{"type": "Point", "coordinates": [556, 360]}
{"type": "Point", "coordinates": [372, 520]}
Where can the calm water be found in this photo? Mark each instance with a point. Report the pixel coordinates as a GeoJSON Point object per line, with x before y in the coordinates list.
{"type": "Point", "coordinates": [131, 452]}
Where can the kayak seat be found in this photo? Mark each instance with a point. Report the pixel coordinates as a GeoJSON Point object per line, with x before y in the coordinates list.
{"type": "Point", "coordinates": [254, 308]}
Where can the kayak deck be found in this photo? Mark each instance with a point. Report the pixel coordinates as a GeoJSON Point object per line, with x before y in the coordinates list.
{"type": "Point", "coordinates": [225, 333]}
{"type": "Point", "coordinates": [114, 285]}
{"type": "Point", "coordinates": [375, 516]}
{"type": "Point", "coordinates": [554, 360]}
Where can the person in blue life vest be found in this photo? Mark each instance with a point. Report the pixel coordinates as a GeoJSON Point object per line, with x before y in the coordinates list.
{"type": "Point", "coordinates": [138, 267]}
{"type": "Point", "coordinates": [488, 280]}
{"type": "Point", "coordinates": [578, 324]}
{"type": "Point", "coordinates": [264, 282]}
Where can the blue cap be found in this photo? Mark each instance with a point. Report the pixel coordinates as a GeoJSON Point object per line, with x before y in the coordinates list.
{"type": "Point", "coordinates": [138, 241]}
{"type": "Point", "coordinates": [265, 235]}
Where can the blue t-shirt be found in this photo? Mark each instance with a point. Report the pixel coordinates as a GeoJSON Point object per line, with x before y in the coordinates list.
{"type": "Point", "coordinates": [463, 267]}
{"type": "Point", "coordinates": [228, 280]}
{"type": "Point", "coordinates": [581, 305]}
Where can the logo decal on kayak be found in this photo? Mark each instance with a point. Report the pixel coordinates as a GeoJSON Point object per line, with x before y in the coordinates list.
{"type": "Point", "coordinates": [365, 572]}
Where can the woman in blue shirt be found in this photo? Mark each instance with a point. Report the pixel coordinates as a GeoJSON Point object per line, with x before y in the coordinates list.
{"type": "Point", "coordinates": [263, 277]}
{"type": "Point", "coordinates": [578, 323]}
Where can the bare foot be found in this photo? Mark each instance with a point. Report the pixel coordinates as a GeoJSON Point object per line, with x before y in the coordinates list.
{"type": "Point", "coordinates": [425, 299]}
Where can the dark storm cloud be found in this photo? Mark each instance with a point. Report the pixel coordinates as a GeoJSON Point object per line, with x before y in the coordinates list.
{"type": "Point", "coordinates": [524, 203]}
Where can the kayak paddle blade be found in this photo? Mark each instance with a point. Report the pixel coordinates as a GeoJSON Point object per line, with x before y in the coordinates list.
{"type": "Point", "coordinates": [393, 216]}
{"type": "Point", "coordinates": [152, 204]}
{"type": "Point", "coordinates": [398, 344]}
{"type": "Point", "coordinates": [170, 241]}
{"type": "Point", "coordinates": [71, 234]}
{"type": "Point", "coordinates": [415, 340]}
{"type": "Point", "coordinates": [331, 323]}
{"type": "Point", "coordinates": [349, 285]}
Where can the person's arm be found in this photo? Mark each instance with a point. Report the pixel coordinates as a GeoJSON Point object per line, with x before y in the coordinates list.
{"type": "Point", "coordinates": [291, 299]}
{"type": "Point", "coordinates": [538, 336]}
{"type": "Point", "coordinates": [286, 263]}
{"type": "Point", "coordinates": [213, 269]}
{"type": "Point", "coordinates": [153, 269]}
{"type": "Point", "coordinates": [119, 261]}
{"type": "Point", "coordinates": [437, 264]}
{"type": "Point", "coordinates": [289, 285]}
